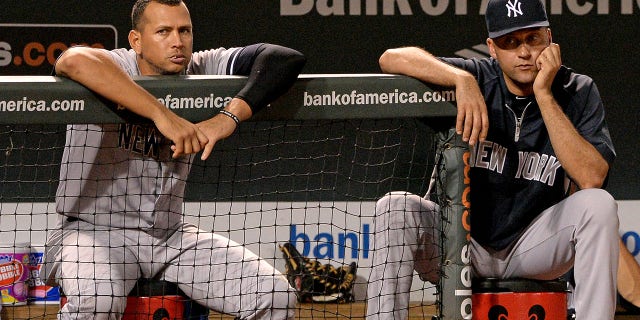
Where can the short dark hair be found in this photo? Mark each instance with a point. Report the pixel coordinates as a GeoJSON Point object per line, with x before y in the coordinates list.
{"type": "Point", "coordinates": [141, 5]}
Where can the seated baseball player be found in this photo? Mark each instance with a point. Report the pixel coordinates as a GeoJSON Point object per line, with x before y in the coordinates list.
{"type": "Point", "coordinates": [120, 203]}
{"type": "Point", "coordinates": [533, 125]}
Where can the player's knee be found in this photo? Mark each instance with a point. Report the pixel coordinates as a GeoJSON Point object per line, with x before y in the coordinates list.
{"type": "Point", "coordinates": [99, 300]}
{"type": "Point", "coordinates": [280, 303]}
{"type": "Point", "coordinates": [402, 208]}
{"type": "Point", "coordinates": [110, 307]}
{"type": "Point", "coordinates": [387, 202]}
{"type": "Point", "coordinates": [397, 201]}
{"type": "Point", "coordinates": [600, 207]}
{"type": "Point", "coordinates": [286, 308]}
{"type": "Point", "coordinates": [285, 296]}
{"type": "Point", "coordinates": [94, 306]}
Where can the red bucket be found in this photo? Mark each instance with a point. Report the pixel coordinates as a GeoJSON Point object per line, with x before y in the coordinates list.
{"type": "Point", "coordinates": [154, 308]}
{"type": "Point", "coordinates": [150, 308]}
{"type": "Point", "coordinates": [158, 300]}
{"type": "Point", "coordinates": [495, 299]}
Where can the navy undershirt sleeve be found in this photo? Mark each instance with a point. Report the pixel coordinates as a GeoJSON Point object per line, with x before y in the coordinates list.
{"type": "Point", "coordinates": [271, 71]}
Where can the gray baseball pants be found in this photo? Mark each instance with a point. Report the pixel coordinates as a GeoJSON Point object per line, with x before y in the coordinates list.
{"type": "Point", "coordinates": [96, 268]}
{"type": "Point", "coordinates": [580, 232]}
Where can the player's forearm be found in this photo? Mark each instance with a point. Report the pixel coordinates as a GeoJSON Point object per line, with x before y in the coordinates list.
{"type": "Point", "coordinates": [223, 125]}
{"type": "Point", "coordinates": [239, 108]}
{"type": "Point", "coordinates": [420, 64]}
{"type": "Point", "coordinates": [579, 158]}
{"type": "Point", "coordinates": [99, 73]}
{"type": "Point", "coordinates": [472, 121]}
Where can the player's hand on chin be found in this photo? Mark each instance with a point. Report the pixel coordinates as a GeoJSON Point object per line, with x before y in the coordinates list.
{"type": "Point", "coordinates": [548, 63]}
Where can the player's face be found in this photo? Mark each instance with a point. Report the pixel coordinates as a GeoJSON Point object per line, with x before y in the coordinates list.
{"type": "Point", "coordinates": [164, 43]}
{"type": "Point", "coordinates": [517, 52]}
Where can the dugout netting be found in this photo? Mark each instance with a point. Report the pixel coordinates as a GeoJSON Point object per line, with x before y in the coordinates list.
{"type": "Point", "coordinates": [311, 182]}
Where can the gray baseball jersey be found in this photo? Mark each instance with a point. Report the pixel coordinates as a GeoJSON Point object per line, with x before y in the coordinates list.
{"type": "Point", "coordinates": [108, 179]}
{"type": "Point", "coordinates": [120, 200]}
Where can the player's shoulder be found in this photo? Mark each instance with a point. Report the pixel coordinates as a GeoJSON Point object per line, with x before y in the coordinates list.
{"type": "Point", "coordinates": [212, 61]}
{"type": "Point", "coordinates": [126, 59]}
{"type": "Point", "coordinates": [571, 81]}
{"type": "Point", "coordinates": [574, 90]}
{"type": "Point", "coordinates": [569, 74]}
{"type": "Point", "coordinates": [214, 52]}
{"type": "Point", "coordinates": [484, 69]}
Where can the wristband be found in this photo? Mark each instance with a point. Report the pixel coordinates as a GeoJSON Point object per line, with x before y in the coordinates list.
{"type": "Point", "coordinates": [230, 115]}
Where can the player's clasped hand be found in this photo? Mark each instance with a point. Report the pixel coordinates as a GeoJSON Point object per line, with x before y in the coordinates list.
{"type": "Point", "coordinates": [192, 143]}
{"type": "Point", "coordinates": [215, 129]}
{"type": "Point", "coordinates": [187, 138]}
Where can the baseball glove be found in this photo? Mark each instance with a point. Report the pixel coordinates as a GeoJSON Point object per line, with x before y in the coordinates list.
{"type": "Point", "coordinates": [316, 282]}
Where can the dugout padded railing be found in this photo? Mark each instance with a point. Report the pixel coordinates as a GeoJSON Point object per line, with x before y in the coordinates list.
{"type": "Point", "coordinates": [54, 100]}
{"type": "Point", "coordinates": [50, 99]}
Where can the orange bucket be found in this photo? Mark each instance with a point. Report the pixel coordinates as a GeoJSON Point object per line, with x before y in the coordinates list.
{"type": "Point", "coordinates": [506, 299]}
{"type": "Point", "coordinates": [158, 300]}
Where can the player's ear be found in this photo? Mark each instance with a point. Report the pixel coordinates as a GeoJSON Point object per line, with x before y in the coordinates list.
{"type": "Point", "coordinates": [492, 48]}
{"type": "Point", "coordinates": [134, 41]}
{"type": "Point", "coordinates": [550, 37]}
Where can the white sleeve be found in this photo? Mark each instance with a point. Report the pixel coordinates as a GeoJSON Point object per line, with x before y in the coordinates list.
{"type": "Point", "coordinates": [126, 59]}
{"type": "Point", "coordinates": [212, 62]}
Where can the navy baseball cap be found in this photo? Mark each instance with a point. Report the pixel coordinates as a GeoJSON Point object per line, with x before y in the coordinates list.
{"type": "Point", "coordinates": [505, 16]}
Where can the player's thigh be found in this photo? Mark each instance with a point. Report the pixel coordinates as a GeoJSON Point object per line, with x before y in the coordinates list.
{"type": "Point", "coordinates": [590, 211]}
{"type": "Point", "coordinates": [212, 256]}
{"type": "Point", "coordinates": [95, 254]}
{"type": "Point", "coordinates": [546, 248]}
{"type": "Point", "coordinates": [218, 271]}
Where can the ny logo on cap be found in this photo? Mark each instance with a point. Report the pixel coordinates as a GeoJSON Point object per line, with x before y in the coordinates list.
{"type": "Point", "coordinates": [514, 7]}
